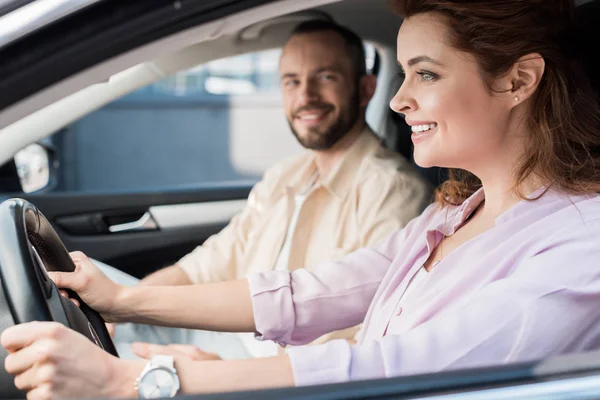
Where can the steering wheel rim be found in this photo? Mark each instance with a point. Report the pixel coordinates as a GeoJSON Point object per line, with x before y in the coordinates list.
{"type": "Point", "coordinates": [28, 246]}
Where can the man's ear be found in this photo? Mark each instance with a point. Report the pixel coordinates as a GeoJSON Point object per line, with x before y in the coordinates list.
{"type": "Point", "coordinates": [367, 86]}
{"type": "Point", "coordinates": [524, 78]}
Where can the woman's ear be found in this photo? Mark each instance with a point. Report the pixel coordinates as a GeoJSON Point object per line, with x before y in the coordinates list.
{"type": "Point", "coordinates": [524, 78]}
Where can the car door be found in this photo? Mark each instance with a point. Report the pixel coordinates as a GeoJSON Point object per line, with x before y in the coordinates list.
{"type": "Point", "coordinates": [144, 180]}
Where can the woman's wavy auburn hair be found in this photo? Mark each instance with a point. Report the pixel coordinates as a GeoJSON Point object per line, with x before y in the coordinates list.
{"type": "Point", "coordinates": [563, 149]}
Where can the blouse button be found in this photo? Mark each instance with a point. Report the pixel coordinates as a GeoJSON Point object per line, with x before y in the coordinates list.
{"type": "Point", "coordinates": [399, 311]}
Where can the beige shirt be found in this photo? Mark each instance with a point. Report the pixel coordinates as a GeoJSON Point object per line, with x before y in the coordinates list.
{"type": "Point", "coordinates": [371, 193]}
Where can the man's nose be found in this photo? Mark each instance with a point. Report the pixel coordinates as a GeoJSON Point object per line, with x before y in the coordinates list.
{"type": "Point", "coordinates": [309, 92]}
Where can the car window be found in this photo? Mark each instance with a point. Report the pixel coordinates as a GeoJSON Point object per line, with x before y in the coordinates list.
{"type": "Point", "coordinates": [189, 128]}
{"type": "Point", "coordinates": [214, 124]}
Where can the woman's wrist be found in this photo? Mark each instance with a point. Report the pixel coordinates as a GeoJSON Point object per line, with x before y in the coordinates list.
{"type": "Point", "coordinates": [122, 377]}
{"type": "Point", "coordinates": [122, 305]}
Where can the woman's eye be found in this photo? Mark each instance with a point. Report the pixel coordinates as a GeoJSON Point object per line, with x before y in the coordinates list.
{"type": "Point", "coordinates": [427, 76]}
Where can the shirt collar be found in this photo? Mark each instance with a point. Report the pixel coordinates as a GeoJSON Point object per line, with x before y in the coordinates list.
{"type": "Point", "coordinates": [455, 217]}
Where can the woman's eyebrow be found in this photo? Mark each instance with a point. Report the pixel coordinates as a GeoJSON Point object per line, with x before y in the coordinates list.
{"type": "Point", "coordinates": [419, 59]}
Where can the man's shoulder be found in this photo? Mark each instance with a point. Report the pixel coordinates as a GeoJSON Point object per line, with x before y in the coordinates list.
{"type": "Point", "coordinates": [386, 164]}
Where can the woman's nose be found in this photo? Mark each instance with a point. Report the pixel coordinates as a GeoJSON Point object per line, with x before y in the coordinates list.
{"type": "Point", "coordinates": [403, 102]}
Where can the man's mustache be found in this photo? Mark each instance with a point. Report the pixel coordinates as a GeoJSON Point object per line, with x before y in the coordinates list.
{"type": "Point", "coordinates": [314, 106]}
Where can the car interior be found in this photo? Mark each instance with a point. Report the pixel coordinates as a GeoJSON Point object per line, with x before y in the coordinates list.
{"type": "Point", "coordinates": [83, 219]}
{"type": "Point", "coordinates": [42, 225]}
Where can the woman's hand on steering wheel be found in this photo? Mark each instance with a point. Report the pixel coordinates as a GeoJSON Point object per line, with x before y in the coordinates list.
{"type": "Point", "coordinates": [51, 361]}
{"type": "Point", "coordinates": [91, 284]}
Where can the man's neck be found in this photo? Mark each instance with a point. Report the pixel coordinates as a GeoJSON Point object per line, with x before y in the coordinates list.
{"type": "Point", "coordinates": [326, 160]}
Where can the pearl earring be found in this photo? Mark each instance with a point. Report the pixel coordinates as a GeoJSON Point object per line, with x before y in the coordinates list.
{"type": "Point", "coordinates": [516, 98]}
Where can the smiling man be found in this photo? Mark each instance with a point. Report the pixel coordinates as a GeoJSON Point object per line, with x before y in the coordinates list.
{"type": "Point", "coordinates": [344, 193]}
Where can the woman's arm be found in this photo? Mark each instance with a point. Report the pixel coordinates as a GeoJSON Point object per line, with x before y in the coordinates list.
{"type": "Point", "coordinates": [547, 306]}
{"type": "Point", "coordinates": [289, 308]}
{"type": "Point", "coordinates": [234, 375]}
{"type": "Point", "coordinates": [284, 307]}
{"type": "Point", "coordinates": [49, 360]}
{"type": "Point", "coordinates": [224, 306]}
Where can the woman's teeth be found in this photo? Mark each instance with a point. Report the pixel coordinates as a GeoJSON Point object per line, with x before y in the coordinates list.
{"type": "Point", "coordinates": [422, 128]}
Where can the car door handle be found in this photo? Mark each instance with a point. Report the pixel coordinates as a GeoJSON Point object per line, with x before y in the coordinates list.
{"type": "Point", "coordinates": [145, 223]}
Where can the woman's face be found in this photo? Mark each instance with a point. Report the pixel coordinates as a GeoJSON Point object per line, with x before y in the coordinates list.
{"type": "Point", "coordinates": [455, 120]}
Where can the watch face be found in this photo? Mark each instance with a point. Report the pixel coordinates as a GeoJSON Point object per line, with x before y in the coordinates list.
{"type": "Point", "coordinates": [157, 383]}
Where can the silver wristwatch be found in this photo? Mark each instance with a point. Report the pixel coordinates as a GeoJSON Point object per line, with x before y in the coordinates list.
{"type": "Point", "coordinates": [158, 379]}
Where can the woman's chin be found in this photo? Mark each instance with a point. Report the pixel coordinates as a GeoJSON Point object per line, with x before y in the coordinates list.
{"type": "Point", "coordinates": [425, 160]}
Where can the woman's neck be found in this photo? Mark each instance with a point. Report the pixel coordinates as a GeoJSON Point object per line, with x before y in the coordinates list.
{"type": "Point", "coordinates": [497, 172]}
{"type": "Point", "coordinates": [502, 194]}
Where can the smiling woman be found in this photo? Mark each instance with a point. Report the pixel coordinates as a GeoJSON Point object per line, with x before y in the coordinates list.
{"type": "Point", "coordinates": [553, 142]}
{"type": "Point", "coordinates": [478, 279]}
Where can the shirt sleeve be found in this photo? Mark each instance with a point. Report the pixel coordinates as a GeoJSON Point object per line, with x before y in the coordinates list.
{"type": "Point", "coordinates": [296, 308]}
{"type": "Point", "coordinates": [548, 306]}
{"type": "Point", "coordinates": [219, 257]}
{"type": "Point", "coordinates": [388, 201]}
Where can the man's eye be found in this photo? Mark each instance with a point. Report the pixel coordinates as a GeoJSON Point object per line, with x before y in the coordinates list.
{"type": "Point", "coordinates": [327, 77]}
{"type": "Point", "coordinates": [290, 83]}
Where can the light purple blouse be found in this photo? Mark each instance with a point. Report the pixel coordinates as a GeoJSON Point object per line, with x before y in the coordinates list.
{"type": "Point", "coordinates": [526, 289]}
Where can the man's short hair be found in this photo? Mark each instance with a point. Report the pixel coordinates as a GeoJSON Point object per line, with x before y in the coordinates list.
{"type": "Point", "coordinates": [354, 43]}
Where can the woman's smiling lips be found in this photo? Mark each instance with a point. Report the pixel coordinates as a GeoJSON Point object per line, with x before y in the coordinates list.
{"type": "Point", "coordinates": [422, 130]}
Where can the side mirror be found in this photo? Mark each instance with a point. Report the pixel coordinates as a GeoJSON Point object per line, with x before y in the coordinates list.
{"type": "Point", "coordinates": [36, 167]}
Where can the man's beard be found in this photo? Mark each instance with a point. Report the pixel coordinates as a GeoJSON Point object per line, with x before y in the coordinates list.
{"type": "Point", "coordinates": [323, 140]}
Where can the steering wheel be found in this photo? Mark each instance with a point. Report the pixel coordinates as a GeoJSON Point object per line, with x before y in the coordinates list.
{"type": "Point", "coordinates": [28, 247]}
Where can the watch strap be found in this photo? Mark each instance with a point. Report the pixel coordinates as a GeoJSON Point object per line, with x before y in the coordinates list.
{"type": "Point", "coordinates": [163, 361]}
